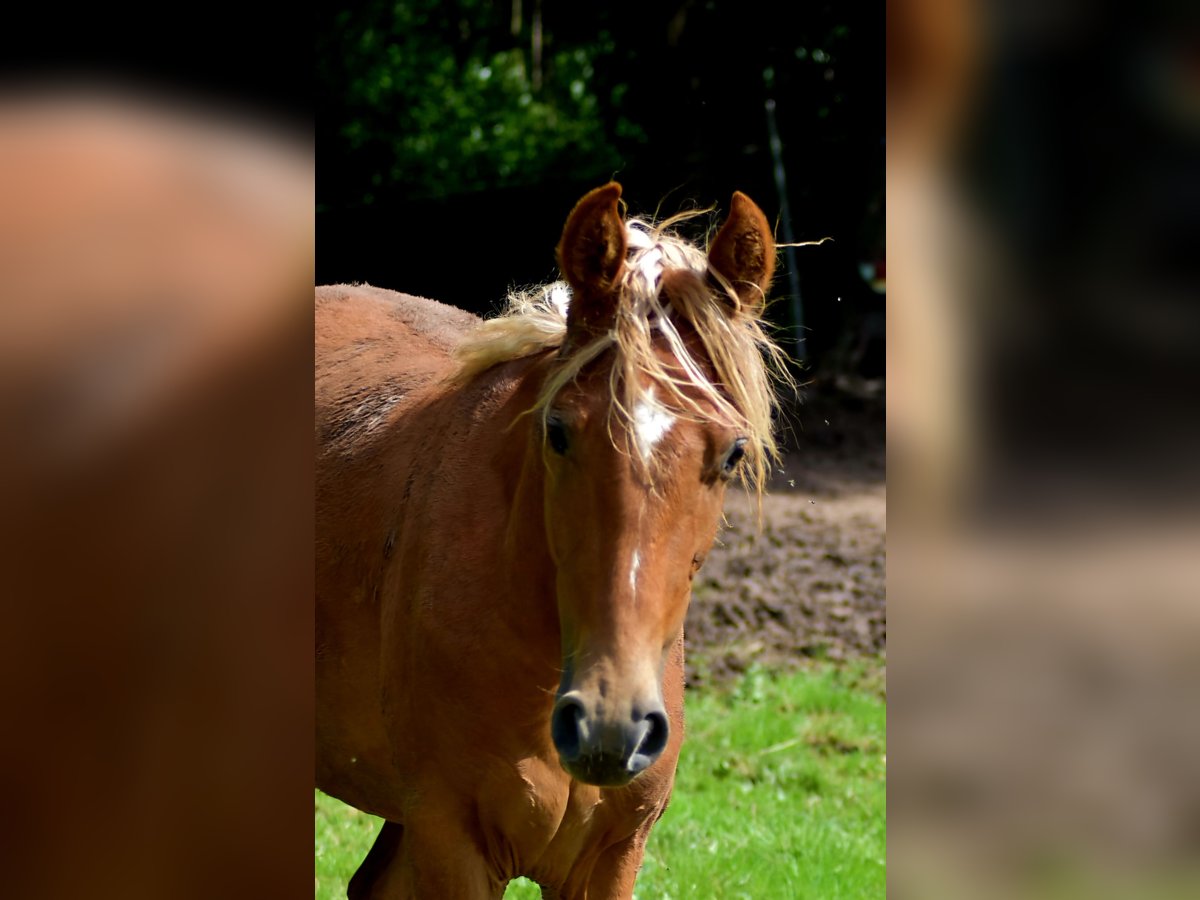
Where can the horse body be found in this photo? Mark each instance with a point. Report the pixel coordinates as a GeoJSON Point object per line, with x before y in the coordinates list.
{"type": "Point", "coordinates": [457, 731]}
{"type": "Point", "coordinates": [501, 594]}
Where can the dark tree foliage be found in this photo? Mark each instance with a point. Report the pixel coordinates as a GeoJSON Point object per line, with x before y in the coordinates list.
{"type": "Point", "coordinates": [453, 137]}
{"type": "Point", "coordinates": [440, 99]}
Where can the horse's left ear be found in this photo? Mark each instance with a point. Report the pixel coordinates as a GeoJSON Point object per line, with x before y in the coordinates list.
{"type": "Point", "coordinates": [743, 252]}
{"type": "Point", "coordinates": [591, 256]}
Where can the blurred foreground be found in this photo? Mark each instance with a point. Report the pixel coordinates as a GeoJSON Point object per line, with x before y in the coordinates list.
{"type": "Point", "coordinates": [155, 498]}
{"type": "Point", "coordinates": [1044, 552]}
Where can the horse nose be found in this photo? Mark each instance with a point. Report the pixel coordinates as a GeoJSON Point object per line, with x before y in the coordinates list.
{"type": "Point", "coordinates": [607, 752]}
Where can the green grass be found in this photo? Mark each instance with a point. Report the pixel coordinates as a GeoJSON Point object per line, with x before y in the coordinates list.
{"type": "Point", "coordinates": [780, 793]}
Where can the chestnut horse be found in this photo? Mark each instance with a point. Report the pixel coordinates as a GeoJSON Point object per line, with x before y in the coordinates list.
{"type": "Point", "coordinates": [509, 517]}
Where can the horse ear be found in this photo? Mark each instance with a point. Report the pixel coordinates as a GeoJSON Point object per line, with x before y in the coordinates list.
{"type": "Point", "coordinates": [591, 256]}
{"type": "Point", "coordinates": [743, 252]}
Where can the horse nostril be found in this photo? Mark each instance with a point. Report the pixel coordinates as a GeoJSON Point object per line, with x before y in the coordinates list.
{"type": "Point", "coordinates": [565, 726]}
{"type": "Point", "coordinates": [655, 731]}
{"type": "Point", "coordinates": [655, 741]}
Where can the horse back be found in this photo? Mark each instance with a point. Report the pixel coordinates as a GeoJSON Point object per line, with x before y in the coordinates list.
{"type": "Point", "coordinates": [374, 347]}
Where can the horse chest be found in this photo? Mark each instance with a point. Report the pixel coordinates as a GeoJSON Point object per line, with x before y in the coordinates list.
{"type": "Point", "coordinates": [541, 822]}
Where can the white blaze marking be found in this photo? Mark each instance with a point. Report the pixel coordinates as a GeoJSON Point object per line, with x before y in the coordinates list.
{"type": "Point", "coordinates": [651, 266]}
{"type": "Point", "coordinates": [650, 423]}
{"type": "Point", "coordinates": [633, 569]}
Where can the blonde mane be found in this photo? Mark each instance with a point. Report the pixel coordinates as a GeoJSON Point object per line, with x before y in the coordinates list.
{"type": "Point", "coordinates": [746, 363]}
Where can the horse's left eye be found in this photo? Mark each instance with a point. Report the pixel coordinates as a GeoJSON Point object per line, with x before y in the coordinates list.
{"type": "Point", "coordinates": [556, 435]}
{"type": "Point", "coordinates": [734, 456]}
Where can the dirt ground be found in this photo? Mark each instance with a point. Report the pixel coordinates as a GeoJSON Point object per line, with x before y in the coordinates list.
{"type": "Point", "coordinates": [810, 582]}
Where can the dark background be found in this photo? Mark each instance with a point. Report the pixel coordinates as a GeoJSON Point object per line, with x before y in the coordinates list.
{"type": "Point", "coordinates": [221, 57]}
{"type": "Point", "coordinates": [450, 149]}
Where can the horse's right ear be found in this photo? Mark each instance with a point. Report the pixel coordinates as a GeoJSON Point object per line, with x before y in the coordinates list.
{"type": "Point", "coordinates": [591, 256]}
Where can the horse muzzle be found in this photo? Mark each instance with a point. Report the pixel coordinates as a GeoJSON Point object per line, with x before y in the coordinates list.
{"type": "Point", "coordinates": [603, 750]}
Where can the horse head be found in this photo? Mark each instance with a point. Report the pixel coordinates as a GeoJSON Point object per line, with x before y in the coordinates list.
{"type": "Point", "coordinates": [658, 397]}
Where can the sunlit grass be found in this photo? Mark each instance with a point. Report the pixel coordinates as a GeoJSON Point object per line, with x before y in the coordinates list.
{"type": "Point", "coordinates": [344, 835]}
{"type": "Point", "coordinates": [780, 793]}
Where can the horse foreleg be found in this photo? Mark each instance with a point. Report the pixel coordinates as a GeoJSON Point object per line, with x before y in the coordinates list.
{"type": "Point", "coordinates": [420, 861]}
{"type": "Point", "coordinates": [616, 870]}
{"type": "Point", "coordinates": [378, 876]}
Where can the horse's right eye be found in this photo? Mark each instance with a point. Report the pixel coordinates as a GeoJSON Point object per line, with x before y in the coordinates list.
{"type": "Point", "coordinates": [556, 435]}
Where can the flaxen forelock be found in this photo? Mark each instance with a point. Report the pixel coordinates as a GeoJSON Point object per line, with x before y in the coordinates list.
{"type": "Point", "coordinates": [747, 366]}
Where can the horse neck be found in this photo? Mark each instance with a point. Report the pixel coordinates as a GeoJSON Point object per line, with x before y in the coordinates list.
{"type": "Point", "coordinates": [526, 571]}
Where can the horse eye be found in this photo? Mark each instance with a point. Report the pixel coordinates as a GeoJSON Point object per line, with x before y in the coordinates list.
{"type": "Point", "coordinates": [734, 457]}
{"type": "Point", "coordinates": [556, 435]}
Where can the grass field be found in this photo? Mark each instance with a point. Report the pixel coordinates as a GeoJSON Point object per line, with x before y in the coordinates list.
{"type": "Point", "coordinates": [780, 794]}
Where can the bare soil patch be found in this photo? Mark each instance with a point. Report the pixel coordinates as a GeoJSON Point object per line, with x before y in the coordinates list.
{"type": "Point", "coordinates": [808, 583]}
